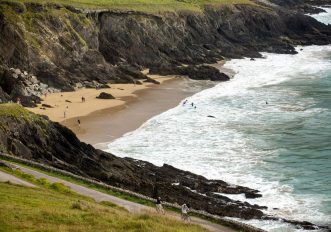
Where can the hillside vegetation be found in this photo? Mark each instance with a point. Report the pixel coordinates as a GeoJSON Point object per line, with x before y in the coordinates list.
{"type": "Point", "coordinates": [53, 207]}
{"type": "Point", "coordinates": [141, 5]}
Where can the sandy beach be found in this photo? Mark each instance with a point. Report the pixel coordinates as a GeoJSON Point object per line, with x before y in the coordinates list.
{"type": "Point", "coordinates": [103, 126]}
{"type": "Point", "coordinates": [102, 121]}
{"type": "Point", "coordinates": [69, 105]}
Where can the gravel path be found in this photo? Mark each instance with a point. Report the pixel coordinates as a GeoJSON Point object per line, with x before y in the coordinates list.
{"type": "Point", "coordinates": [130, 206]}
{"type": "Point", "coordinates": [4, 177]}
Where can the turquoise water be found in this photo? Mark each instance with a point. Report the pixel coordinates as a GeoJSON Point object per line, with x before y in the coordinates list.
{"type": "Point", "coordinates": [302, 142]}
{"type": "Point", "coordinates": [282, 148]}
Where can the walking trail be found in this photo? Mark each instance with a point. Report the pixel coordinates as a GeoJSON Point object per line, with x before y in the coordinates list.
{"type": "Point", "coordinates": [99, 196]}
{"type": "Point", "coordinates": [4, 177]}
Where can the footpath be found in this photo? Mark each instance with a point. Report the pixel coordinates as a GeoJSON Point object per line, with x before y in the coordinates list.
{"type": "Point", "coordinates": [99, 196]}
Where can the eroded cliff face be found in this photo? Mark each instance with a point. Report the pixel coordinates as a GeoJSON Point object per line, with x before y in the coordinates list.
{"type": "Point", "coordinates": [59, 46]}
{"type": "Point", "coordinates": [66, 48]}
{"type": "Point", "coordinates": [188, 38]}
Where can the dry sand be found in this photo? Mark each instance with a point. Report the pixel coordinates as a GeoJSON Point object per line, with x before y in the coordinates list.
{"type": "Point", "coordinates": [68, 105]}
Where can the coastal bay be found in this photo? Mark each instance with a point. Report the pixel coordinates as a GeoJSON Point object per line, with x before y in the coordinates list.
{"type": "Point", "coordinates": [218, 152]}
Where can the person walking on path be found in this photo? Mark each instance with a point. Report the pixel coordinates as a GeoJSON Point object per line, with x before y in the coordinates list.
{"type": "Point", "coordinates": [159, 207]}
{"type": "Point", "coordinates": [185, 215]}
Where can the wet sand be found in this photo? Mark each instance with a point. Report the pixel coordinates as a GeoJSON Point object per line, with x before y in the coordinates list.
{"type": "Point", "coordinates": [103, 126]}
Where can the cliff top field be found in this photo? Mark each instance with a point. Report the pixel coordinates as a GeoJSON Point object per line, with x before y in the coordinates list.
{"type": "Point", "coordinates": [141, 5]}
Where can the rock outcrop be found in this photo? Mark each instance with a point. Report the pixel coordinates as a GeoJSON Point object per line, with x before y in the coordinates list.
{"type": "Point", "coordinates": [17, 85]}
{"type": "Point", "coordinates": [195, 72]}
{"type": "Point", "coordinates": [104, 95]}
{"type": "Point", "coordinates": [304, 6]}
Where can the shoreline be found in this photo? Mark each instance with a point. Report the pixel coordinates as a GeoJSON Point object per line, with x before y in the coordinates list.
{"type": "Point", "coordinates": [101, 127]}
{"type": "Point", "coordinates": [102, 121]}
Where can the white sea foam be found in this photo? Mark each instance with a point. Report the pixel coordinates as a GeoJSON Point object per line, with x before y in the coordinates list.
{"type": "Point", "coordinates": [229, 147]}
{"type": "Point", "coordinates": [215, 147]}
{"type": "Point", "coordinates": [323, 17]}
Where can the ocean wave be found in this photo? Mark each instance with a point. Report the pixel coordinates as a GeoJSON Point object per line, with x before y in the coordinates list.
{"type": "Point", "coordinates": [261, 134]}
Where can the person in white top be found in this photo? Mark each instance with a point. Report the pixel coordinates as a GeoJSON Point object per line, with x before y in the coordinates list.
{"type": "Point", "coordinates": [185, 211]}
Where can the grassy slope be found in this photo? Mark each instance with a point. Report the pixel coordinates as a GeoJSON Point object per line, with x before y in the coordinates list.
{"type": "Point", "coordinates": [16, 111]}
{"type": "Point", "coordinates": [52, 207]}
{"type": "Point", "coordinates": [142, 5]}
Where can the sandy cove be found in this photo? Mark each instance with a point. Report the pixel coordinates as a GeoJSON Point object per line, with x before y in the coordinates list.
{"type": "Point", "coordinates": [71, 102]}
{"type": "Point", "coordinates": [105, 120]}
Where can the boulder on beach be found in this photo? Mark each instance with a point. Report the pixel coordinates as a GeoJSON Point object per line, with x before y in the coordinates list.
{"type": "Point", "coordinates": [46, 106]}
{"type": "Point", "coordinates": [104, 95]}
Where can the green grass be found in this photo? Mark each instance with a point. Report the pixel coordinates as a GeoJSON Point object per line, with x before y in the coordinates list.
{"type": "Point", "coordinates": [19, 113]}
{"type": "Point", "coordinates": [16, 111]}
{"type": "Point", "coordinates": [142, 5]}
{"type": "Point", "coordinates": [102, 189]}
{"type": "Point", "coordinates": [79, 182]}
{"type": "Point", "coordinates": [47, 209]}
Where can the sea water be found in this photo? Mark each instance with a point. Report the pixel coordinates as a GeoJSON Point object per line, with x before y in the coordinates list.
{"type": "Point", "coordinates": [270, 130]}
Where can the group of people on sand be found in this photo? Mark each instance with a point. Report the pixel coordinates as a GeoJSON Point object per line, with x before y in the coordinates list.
{"type": "Point", "coordinates": [184, 210]}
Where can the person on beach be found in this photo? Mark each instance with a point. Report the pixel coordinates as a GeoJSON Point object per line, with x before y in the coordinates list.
{"type": "Point", "coordinates": [83, 99]}
{"type": "Point", "coordinates": [192, 104]}
{"type": "Point", "coordinates": [65, 114]}
{"type": "Point", "coordinates": [184, 103]}
{"type": "Point", "coordinates": [78, 121]}
{"type": "Point", "coordinates": [185, 215]}
{"type": "Point", "coordinates": [159, 207]}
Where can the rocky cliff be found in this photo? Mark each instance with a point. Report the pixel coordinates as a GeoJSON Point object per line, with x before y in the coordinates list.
{"type": "Point", "coordinates": [34, 137]}
{"type": "Point", "coordinates": [67, 48]}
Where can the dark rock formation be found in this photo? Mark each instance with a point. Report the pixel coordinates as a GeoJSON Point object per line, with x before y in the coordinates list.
{"type": "Point", "coordinates": [47, 106]}
{"type": "Point", "coordinates": [16, 84]}
{"type": "Point", "coordinates": [195, 72]}
{"type": "Point", "coordinates": [188, 38]}
{"type": "Point", "coordinates": [104, 95]}
{"type": "Point", "coordinates": [304, 6]}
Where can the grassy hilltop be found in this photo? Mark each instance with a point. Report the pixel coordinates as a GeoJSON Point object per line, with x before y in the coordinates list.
{"type": "Point", "coordinates": [141, 5]}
